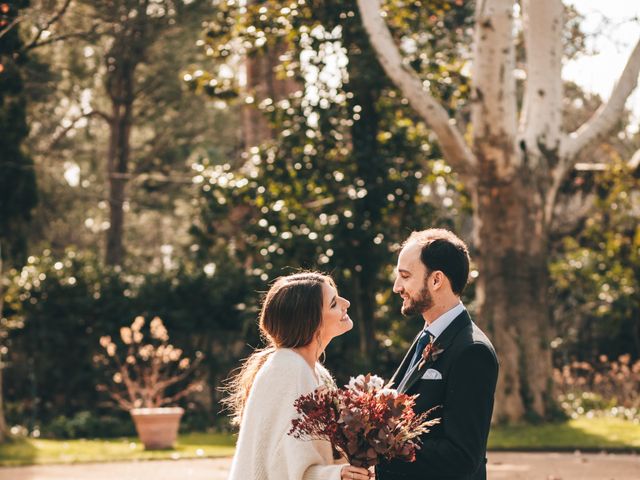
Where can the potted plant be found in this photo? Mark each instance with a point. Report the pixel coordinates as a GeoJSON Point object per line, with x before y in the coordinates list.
{"type": "Point", "coordinates": [148, 379]}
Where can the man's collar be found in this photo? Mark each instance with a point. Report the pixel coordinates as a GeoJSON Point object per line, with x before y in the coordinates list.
{"type": "Point", "coordinates": [441, 323]}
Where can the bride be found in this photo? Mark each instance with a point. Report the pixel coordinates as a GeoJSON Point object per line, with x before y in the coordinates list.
{"type": "Point", "coordinates": [300, 315]}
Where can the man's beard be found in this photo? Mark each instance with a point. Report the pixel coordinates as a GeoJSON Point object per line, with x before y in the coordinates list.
{"type": "Point", "coordinates": [418, 305]}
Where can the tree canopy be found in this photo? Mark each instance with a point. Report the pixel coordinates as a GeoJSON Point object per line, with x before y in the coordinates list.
{"type": "Point", "coordinates": [218, 145]}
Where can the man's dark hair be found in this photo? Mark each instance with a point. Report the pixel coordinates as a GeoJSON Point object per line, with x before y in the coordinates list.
{"type": "Point", "coordinates": [443, 250]}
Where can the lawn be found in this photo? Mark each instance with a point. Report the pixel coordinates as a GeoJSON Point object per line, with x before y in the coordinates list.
{"type": "Point", "coordinates": [581, 434]}
{"type": "Point", "coordinates": [40, 451]}
{"type": "Point", "coordinates": [611, 434]}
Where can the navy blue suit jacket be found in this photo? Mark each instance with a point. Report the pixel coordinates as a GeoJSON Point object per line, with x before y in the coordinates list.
{"type": "Point", "coordinates": [456, 448]}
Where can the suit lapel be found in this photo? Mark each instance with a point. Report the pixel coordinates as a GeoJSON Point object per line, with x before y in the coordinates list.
{"type": "Point", "coordinates": [443, 341]}
{"type": "Point", "coordinates": [399, 375]}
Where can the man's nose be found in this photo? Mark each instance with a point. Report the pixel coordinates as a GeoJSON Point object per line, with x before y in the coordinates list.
{"type": "Point", "coordinates": [396, 286]}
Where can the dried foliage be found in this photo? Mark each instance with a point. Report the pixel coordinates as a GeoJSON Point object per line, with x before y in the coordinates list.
{"type": "Point", "coordinates": [365, 421]}
{"type": "Point", "coordinates": [145, 374]}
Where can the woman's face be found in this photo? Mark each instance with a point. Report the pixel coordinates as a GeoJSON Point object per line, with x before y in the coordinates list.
{"type": "Point", "coordinates": [335, 320]}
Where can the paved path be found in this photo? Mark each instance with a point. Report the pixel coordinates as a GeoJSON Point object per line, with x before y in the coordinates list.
{"type": "Point", "coordinates": [511, 466]}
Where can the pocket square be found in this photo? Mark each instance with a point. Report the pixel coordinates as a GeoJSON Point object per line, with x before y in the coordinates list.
{"type": "Point", "coordinates": [432, 374]}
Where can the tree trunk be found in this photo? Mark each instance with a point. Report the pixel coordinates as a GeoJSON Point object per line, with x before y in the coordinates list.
{"type": "Point", "coordinates": [636, 331]}
{"type": "Point", "coordinates": [3, 423]}
{"type": "Point", "coordinates": [4, 433]}
{"type": "Point", "coordinates": [117, 166]}
{"type": "Point", "coordinates": [510, 236]}
{"type": "Point", "coordinates": [120, 86]}
{"type": "Point", "coordinates": [255, 129]}
{"type": "Point", "coordinates": [359, 315]}
{"type": "Point", "coordinates": [263, 82]}
{"type": "Point", "coordinates": [510, 221]}
{"type": "Point", "coordinates": [365, 93]}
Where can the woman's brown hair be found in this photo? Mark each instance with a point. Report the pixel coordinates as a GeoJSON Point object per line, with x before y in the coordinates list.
{"type": "Point", "coordinates": [290, 317]}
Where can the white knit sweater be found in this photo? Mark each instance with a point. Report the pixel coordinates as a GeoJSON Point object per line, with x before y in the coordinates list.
{"type": "Point", "coordinates": [264, 451]}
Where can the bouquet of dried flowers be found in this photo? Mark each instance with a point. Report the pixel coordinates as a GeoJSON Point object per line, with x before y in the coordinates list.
{"type": "Point", "coordinates": [145, 371]}
{"type": "Point", "coordinates": [365, 421]}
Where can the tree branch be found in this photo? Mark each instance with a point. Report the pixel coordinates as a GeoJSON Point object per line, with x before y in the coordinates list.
{"type": "Point", "coordinates": [8, 28]}
{"type": "Point", "coordinates": [634, 162]}
{"type": "Point", "coordinates": [494, 108]}
{"type": "Point", "coordinates": [541, 119]}
{"type": "Point", "coordinates": [455, 150]}
{"type": "Point", "coordinates": [56, 16]}
{"type": "Point", "coordinates": [605, 118]}
{"type": "Point", "coordinates": [566, 215]}
{"type": "Point", "coordinates": [192, 387]}
{"type": "Point", "coordinates": [120, 400]}
{"type": "Point", "coordinates": [569, 211]}
{"type": "Point", "coordinates": [162, 385]}
{"type": "Point", "coordinates": [61, 38]}
{"type": "Point", "coordinates": [64, 131]}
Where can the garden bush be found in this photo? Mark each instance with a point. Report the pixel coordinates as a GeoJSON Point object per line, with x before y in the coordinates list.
{"type": "Point", "coordinates": [86, 424]}
{"type": "Point", "coordinates": [61, 306]}
{"type": "Point", "coordinates": [602, 388]}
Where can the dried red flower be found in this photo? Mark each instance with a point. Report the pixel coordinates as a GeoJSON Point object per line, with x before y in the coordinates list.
{"type": "Point", "coordinates": [365, 421]}
{"type": "Point", "coordinates": [430, 353]}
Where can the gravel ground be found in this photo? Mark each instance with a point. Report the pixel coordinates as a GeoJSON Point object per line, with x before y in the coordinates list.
{"type": "Point", "coordinates": [502, 465]}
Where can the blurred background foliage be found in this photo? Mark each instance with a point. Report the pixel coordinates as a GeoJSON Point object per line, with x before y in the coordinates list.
{"type": "Point", "coordinates": [344, 170]}
{"type": "Point", "coordinates": [260, 138]}
{"type": "Point", "coordinates": [596, 273]}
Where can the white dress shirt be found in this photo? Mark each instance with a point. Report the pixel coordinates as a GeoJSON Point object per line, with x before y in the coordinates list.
{"type": "Point", "coordinates": [441, 323]}
{"type": "Point", "coordinates": [436, 328]}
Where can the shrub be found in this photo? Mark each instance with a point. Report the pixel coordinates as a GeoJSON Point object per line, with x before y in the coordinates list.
{"type": "Point", "coordinates": [606, 387]}
{"type": "Point", "coordinates": [86, 424]}
{"type": "Point", "coordinates": [62, 305]}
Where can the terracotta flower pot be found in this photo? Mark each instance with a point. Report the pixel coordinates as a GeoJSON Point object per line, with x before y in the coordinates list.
{"type": "Point", "coordinates": [157, 427]}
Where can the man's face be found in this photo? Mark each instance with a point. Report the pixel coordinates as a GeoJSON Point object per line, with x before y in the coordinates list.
{"type": "Point", "coordinates": [411, 281]}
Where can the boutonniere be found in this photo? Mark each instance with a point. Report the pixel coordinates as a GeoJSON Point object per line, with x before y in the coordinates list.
{"type": "Point", "coordinates": [430, 353]}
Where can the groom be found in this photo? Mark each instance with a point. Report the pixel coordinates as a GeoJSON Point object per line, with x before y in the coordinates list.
{"type": "Point", "coordinates": [451, 364]}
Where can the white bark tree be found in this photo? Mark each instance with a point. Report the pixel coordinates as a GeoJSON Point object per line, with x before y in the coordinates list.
{"type": "Point", "coordinates": [513, 166]}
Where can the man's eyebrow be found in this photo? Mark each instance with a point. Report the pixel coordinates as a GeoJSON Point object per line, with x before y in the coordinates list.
{"type": "Point", "coordinates": [402, 270]}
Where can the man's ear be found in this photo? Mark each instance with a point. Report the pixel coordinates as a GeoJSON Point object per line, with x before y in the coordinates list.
{"type": "Point", "coordinates": [438, 279]}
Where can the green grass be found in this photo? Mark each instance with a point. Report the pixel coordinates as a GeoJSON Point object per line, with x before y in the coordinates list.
{"type": "Point", "coordinates": [40, 451]}
{"type": "Point", "coordinates": [582, 434]}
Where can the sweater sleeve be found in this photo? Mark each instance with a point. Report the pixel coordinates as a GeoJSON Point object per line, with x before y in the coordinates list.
{"type": "Point", "coordinates": [293, 458]}
{"type": "Point", "coordinates": [303, 460]}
